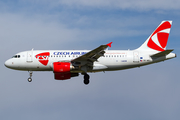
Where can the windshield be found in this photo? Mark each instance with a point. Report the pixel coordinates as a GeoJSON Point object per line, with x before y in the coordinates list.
{"type": "Point", "coordinates": [16, 56]}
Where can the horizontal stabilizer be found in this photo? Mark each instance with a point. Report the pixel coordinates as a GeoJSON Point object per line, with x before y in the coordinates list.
{"type": "Point", "coordinates": [166, 52]}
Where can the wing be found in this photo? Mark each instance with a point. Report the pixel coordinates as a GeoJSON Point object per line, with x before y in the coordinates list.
{"type": "Point", "coordinates": [88, 59]}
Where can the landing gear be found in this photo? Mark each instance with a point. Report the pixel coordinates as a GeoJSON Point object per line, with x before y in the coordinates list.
{"type": "Point", "coordinates": [29, 79]}
{"type": "Point", "coordinates": [86, 79]}
{"type": "Point", "coordinates": [30, 75]}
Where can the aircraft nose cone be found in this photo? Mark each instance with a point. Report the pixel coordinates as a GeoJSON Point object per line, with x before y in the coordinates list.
{"type": "Point", "coordinates": [7, 63]}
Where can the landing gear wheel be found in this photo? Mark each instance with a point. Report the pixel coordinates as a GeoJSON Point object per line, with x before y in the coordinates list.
{"type": "Point", "coordinates": [30, 75]}
{"type": "Point", "coordinates": [86, 79]}
{"type": "Point", "coordinates": [29, 79]}
{"type": "Point", "coordinates": [86, 82]}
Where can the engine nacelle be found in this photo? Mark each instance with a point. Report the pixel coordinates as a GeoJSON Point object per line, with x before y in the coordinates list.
{"type": "Point", "coordinates": [62, 76]}
{"type": "Point", "coordinates": [65, 76]}
{"type": "Point", "coordinates": [62, 67]}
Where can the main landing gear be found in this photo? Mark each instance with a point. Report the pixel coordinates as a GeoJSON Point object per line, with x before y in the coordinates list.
{"type": "Point", "coordinates": [30, 75]}
{"type": "Point", "coordinates": [86, 79]}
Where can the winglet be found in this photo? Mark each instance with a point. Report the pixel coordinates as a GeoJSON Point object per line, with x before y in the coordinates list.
{"type": "Point", "coordinates": [109, 44]}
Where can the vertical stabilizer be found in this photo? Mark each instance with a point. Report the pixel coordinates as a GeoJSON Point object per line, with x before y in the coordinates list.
{"type": "Point", "coordinates": [157, 41]}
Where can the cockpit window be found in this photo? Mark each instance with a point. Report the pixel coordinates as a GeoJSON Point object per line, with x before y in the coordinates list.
{"type": "Point", "coordinates": [16, 56]}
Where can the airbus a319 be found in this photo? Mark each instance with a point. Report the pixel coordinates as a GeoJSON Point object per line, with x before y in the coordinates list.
{"type": "Point", "coordinates": [66, 64]}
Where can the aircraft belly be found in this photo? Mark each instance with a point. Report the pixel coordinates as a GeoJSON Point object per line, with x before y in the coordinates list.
{"type": "Point", "coordinates": [33, 66]}
{"type": "Point", "coordinates": [99, 67]}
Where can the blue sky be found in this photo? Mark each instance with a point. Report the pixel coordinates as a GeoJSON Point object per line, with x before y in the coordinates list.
{"type": "Point", "coordinates": [149, 92]}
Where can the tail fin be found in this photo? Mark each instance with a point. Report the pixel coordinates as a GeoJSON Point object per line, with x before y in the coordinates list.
{"type": "Point", "coordinates": [157, 41]}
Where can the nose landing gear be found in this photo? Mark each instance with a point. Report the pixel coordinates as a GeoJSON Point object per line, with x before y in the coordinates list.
{"type": "Point", "coordinates": [30, 75]}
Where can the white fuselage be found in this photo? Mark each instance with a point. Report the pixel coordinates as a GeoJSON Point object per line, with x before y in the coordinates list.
{"type": "Point", "coordinates": [42, 60]}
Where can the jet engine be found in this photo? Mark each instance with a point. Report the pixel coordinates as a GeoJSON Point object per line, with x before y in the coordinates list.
{"type": "Point", "coordinates": [62, 67]}
{"type": "Point", "coordinates": [62, 70]}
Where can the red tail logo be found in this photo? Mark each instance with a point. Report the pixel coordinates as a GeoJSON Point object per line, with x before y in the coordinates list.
{"type": "Point", "coordinates": [159, 38]}
{"type": "Point", "coordinates": [43, 58]}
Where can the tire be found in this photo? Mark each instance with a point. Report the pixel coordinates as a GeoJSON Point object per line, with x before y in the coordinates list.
{"type": "Point", "coordinates": [29, 79]}
{"type": "Point", "coordinates": [86, 81]}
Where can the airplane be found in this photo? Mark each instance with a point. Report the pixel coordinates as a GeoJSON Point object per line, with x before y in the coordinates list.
{"type": "Point", "coordinates": [70, 63]}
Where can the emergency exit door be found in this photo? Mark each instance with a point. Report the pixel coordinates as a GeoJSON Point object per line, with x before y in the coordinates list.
{"type": "Point", "coordinates": [29, 56]}
{"type": "Point", "coordinates": [136, 57]}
